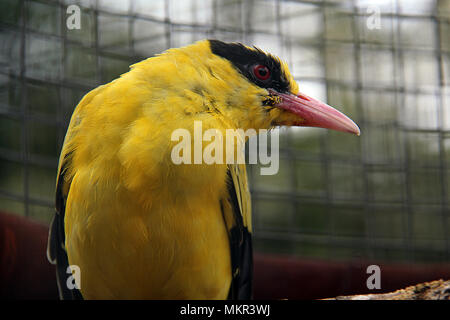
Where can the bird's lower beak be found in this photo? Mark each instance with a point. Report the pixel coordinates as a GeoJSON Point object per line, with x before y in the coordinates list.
{"type": "Point", "coordinates": [310, 112]}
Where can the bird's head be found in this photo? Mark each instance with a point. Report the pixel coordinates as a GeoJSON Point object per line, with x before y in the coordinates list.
{"type": "Point", "coordinates": [251, 88]}
{"type": "Point", "coordinates": [277, 96]}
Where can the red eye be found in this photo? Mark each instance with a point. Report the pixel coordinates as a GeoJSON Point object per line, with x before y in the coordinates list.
{"type": "Point", "coordinates": [261, 72]}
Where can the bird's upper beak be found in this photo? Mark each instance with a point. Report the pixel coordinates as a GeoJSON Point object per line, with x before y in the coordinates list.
{"type": "Point", "coordinates": [310, 112]}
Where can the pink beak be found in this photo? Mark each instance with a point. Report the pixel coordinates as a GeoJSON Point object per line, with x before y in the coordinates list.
{"type": "Point", "coordinates": [314, 113]}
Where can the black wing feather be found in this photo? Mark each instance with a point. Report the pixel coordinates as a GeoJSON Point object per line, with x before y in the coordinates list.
{"type": "Point", "coordinates": [240, 245]}
{"type": "Point", "coordinates": [56, 252]}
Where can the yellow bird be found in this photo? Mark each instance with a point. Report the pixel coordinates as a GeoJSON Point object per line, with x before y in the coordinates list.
{"type": "Point", "coordinates": [139, 226]}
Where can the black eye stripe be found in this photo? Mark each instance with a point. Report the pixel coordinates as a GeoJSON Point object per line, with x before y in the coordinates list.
{"type": "Point", "coordinates": [244, 59]}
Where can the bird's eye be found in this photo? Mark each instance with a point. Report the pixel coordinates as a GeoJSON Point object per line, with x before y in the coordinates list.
{"type": "Point", "coordinates": [261, 72]}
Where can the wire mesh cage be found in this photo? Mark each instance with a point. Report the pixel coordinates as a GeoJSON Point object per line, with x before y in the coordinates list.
{"type": "Point", "coordinates": [386, 64]}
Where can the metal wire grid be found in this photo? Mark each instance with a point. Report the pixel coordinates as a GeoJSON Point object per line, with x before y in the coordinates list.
{"type": "Point", "coordinates": [47, 55]}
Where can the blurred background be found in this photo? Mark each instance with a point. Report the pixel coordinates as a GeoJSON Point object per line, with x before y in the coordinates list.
{"type": "Point", "coordinates": [338, 201]}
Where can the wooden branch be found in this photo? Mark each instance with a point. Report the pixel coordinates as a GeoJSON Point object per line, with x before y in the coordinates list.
{"type": "Point", "coordinates": [434, 290]}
